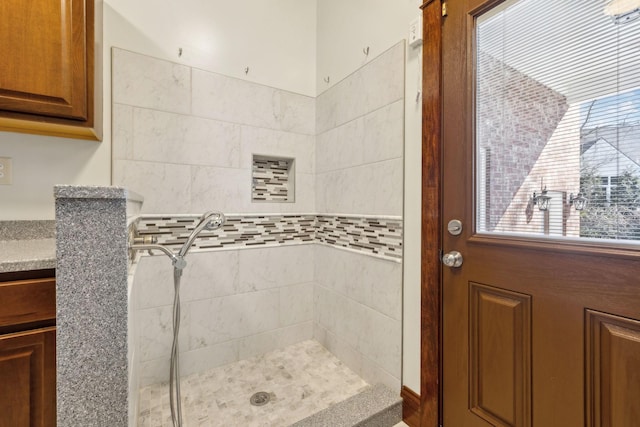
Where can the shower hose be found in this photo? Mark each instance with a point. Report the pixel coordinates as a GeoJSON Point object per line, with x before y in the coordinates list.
{"type": "Point", "coordinates": [174, 371]}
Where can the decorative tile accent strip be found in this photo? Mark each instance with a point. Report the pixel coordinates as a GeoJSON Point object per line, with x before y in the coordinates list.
{"type": "Point", "coordinates": [271, 180]}
{"type": "Point", "coordinates": [380, 237]}
{"type": "Point", "coordinates": [370, 235]}
{"type": "Point", "coordinates": [237, 231]}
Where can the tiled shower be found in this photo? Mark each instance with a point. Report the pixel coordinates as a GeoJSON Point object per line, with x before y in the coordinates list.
{"type": "Point", "coordinates": [322, 263]}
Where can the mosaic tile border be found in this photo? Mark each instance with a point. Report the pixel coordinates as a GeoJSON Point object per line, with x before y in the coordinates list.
{"type": "Point", "coordinates": [376, 236]}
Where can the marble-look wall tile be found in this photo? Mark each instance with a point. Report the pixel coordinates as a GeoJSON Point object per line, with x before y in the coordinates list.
{"type": "Point", "coordinates": [154, 371]}
{"type": "Point", "coordinates": [370, 189]}
{"type": "Point", "coordinates": [372, 373]}
{"type": "Point", "coordinates": [275, 267]}
{"type": "Point", "coordinates": [225, 318]}
{"type": "Point", "coordinates": [122, 138]}
{"type": "Point", "coordinates": [206, 358]}
{"type": "Point", "coordinates": [207, 275]}
{"type": "Point", "coordinates": [368, 340]}
{"type": "Point", "coordinates": [384, 133]}
{"type": "Point", "coordinates": [374, 282]}
{"type": "Point", "coordinates": [166, 188]}
{"type": "Point", "coordinates": [343, 351]}
{"type": "Point", "coordinates": [278, 144]}
{"type": "Point", "coordinates": [378, 83]}
{"type": "Point", "coordinates": [381, 341]}
{"type": "Point", "coordinates": [258, 344]}
{"type": "Point", "coordinates": [156, 332]}
{"type": "Point", "coordinates": [176, 138]}
{"type": "Point", "coordinates": [372, 138]}
{"type": "Point", "coordinates": [143, 81]}
{"type": "Point", "coordinates": [296, 304]}
{"type": "Point", "coordinates": [225, 98]}
{"type": "Point", "coordinates": [210, 275]}
{"type": "Point", "coordinates": [341, 147]}
{"type": "Point", "coordinates": [153, 282]}
{"type": "Point", "coordinates": [220, 189]}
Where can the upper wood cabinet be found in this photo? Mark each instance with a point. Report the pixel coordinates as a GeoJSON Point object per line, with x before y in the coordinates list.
{"type": "Point", "coordinates": [48, 81]}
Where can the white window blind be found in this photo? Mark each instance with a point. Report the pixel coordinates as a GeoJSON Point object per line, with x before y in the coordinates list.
{"type": "Point", "coordinates": [558, 118]}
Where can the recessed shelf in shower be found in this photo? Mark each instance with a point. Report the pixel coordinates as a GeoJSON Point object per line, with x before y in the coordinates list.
{"type": "Point", "coordinates": [272, 179]}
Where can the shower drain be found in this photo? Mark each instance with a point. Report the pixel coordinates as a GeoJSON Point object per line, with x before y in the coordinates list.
{"type": "Point", "coordinates": [260, 398]}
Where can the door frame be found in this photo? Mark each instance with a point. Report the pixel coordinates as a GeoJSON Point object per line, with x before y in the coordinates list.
{"type": "Point", "coordinates": [431, 233]}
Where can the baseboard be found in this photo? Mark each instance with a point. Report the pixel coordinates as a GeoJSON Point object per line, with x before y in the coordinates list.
{"type": "Point", "coordinates": [410, 407]}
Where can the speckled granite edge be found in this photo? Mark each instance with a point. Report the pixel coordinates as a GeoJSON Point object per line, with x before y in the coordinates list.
{"type": "Point", "coordinates": [91, 299]}
{"type": "Point", "coordinates": [94, 192]}
{"type": "Point", "coordinates": [25, 255]}
{"type": "Point", "coordinates": [27, 230]}
{"type": "Point", "coordinates": [378, 406]}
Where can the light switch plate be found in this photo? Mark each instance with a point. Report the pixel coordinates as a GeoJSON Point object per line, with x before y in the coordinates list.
{"type": "Point", "coordinates": [5, 170]}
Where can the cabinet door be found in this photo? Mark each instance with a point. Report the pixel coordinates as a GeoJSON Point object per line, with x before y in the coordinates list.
{"type": "Point", "coordinates": [44, 58]}
{"type": "Point", "coordinates": [27, 379]}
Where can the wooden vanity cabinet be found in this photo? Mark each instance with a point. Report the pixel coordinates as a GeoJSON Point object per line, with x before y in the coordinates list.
{"type": "Point", "coordinates": [47, 72]}
{"type": "Point", "coordinates": [27, 352]}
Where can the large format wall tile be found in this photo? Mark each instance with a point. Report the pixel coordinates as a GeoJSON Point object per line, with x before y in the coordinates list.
{"type": "Point", "coordinates": [176, 138]}
{"type": "Point", "coordinates": [341, 147]}
{"type": "Point", "coordinates": [122, 137]}
{"type": "Point", "coordinates": [379, 83]}
{"type": "Point", "coordinates": [357, 311]}
{"type": "Point", "coordinates": [156, 329]}
{"type": "Point", "coordinates": [275, 267]}
{"type": "Point", "coordinates": [276, 143]}
{"type": "Point", "coordinates": [210, 275]}
{"type": "Point", "coordinates": [225, 318]}
{"type": "Point", "coordinates": [220, 189]}
{"type": "Point", "coordinates": [143, 81]}
{"type": "Point", "coordinates": [373, 189]}
{"type": "Point", "coordinates": [166, 188]}
{"type": "Point", "coordinates": [225, 98]}
{"type": "Point", "coordinates": [384, 133]}
{"type": "Point", "coordinates": [373, 282]}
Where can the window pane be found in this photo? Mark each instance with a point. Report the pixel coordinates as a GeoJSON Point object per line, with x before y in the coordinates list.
{"type": "Point", "coordinates": [558, 119]}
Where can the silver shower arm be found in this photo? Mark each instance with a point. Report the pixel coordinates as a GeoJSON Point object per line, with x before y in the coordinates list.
{"type": "Point", "coordinates": [177, 260]}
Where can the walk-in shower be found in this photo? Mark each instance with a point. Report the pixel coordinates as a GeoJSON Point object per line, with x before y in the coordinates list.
{"type": "Point", "coordinates": [209, 221]}
{"type": "Point", "coordinates": [299, 295]}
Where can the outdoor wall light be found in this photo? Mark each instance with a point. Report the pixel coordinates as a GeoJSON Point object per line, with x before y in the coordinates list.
{"type": "Point", "coordinates": [622, 11]}
{"type": "Point", "coordinates": [579, 202]}
{"type": "Point", "coordinates": [541, 200]}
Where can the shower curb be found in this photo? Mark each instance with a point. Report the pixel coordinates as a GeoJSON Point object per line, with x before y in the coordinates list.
{"type": "Point", "coordinates": [377, 406]}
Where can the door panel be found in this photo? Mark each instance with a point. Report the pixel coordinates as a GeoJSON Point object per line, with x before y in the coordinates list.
{"type": "Point", "coordinates": [613, 355]}
{"type": "Point", "coordinates": [500, 355]}
{"type": "Point", "coordinates": [525, 338]}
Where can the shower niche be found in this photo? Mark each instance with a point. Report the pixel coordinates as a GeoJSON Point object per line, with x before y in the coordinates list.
{"type": "Point", "coordinates": [272, 179]}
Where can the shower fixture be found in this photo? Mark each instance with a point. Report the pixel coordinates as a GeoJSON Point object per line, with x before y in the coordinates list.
{"type": "Point", "coordinates": [208, 221]}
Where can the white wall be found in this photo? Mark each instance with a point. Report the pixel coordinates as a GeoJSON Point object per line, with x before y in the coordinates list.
{"type": "Point", "coordinates": [345, 28]}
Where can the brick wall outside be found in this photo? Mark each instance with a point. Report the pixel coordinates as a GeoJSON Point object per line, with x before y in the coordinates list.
{"type": "Point", "coordinates": [516, 116]}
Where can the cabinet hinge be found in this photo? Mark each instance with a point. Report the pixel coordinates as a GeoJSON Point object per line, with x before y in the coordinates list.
{"type": "Point", "coordinates": [444, 13]}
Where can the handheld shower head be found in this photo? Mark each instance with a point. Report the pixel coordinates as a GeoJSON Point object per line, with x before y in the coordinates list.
{"type": "Point", "coordinates": [212, 220]}
{"type": "Point", "coordinates": [208, 221]}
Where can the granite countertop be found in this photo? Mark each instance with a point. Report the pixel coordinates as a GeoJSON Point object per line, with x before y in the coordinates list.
{"type": "Point", "coordinates": [27, 245]}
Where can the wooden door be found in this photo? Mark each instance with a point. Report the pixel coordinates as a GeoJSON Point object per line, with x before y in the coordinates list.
{"type": "Point", "coordinates": [539, 329]}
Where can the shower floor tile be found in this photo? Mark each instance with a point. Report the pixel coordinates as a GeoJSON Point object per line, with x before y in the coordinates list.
{"type": "Point", "coordinates": [302, 379]}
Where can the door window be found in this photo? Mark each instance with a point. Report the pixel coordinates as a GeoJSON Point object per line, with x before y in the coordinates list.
{"type": "Point", "coordinates": [557, 101]}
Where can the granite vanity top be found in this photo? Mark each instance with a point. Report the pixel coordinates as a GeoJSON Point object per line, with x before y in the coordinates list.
{"type": "Point", "coordinates": [27, 245]}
